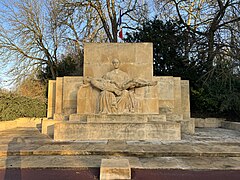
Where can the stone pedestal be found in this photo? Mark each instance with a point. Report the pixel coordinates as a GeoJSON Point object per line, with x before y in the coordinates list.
{"type": "Point", "coordinates": [118, 127]}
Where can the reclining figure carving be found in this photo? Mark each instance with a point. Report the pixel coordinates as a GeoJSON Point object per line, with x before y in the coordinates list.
{"type": "Point", "coordinates": [117, 90]}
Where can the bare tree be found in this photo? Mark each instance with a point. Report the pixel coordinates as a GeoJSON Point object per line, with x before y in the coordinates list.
{"type": "Point", "coordinates": [213, 23]}
{"type": "Point", "coordinates": [107, 13]}
{"type": "Point", "coordinates": [27, 38]}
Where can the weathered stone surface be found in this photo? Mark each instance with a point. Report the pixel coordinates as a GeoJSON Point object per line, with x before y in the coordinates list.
{"type": "Point", "coordinates": [117, 131]}
{"type": "Point", "coordinates": [115, 169]}
{"type": "Point", "coordinates": [51, 98]}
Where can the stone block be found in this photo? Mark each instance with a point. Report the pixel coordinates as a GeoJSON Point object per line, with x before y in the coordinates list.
{"type": "Point", "coordinates": [29, 122]}
{"type": "Point", "coordinates": [115, 169]}
{"type": "Point", "coordinates": [71, 131]}
{"type": "Point", "coordinates": [208, 122]}
{"type": "Point", "coordinates": [48, 127]}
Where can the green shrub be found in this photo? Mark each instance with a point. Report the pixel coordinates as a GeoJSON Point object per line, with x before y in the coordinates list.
{"type": "Point", "coordinates": [13, 106]}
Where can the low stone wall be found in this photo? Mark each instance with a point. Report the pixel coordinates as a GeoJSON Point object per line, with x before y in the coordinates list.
{"type": "Point", "coordinates": [208, 122]}
{"type": "Point", "coordinates": [21, 122]}
{"type": "Point", "coordinates": [231, 125]}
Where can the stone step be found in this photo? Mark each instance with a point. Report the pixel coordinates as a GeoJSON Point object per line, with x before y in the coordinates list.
{"type": "Point", "coordinates": [127, 149]}
{"type": "Point", "coordinates": [85, 162]}
{"type": "Point", "coordinates": [117, 118]}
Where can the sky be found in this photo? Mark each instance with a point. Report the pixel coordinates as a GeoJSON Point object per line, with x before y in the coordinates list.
{"type": "Point", "coordinates": [4, 76]}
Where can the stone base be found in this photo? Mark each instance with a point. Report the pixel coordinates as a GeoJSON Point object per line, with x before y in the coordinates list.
{"type": "Point", "coordinates": [187, 126]}
{"type": "Point", "coordinates": [72, 131]}
{"type": "Point", "coordinates": [115, 169]}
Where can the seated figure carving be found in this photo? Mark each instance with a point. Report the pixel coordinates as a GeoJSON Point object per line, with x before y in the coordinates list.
{"type": "Point", "coordinates": [117, 90]}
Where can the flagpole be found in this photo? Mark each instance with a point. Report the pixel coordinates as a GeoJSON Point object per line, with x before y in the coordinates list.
{"type": "Point", "coordinates": [120, 32]}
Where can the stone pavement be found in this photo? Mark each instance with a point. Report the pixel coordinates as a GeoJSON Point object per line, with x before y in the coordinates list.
{"type": "Point", "coordinates": [209, 148]}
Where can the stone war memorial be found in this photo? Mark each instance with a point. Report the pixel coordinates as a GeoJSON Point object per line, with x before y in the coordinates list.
{"type": "Point", "coordinates": [118, 98]}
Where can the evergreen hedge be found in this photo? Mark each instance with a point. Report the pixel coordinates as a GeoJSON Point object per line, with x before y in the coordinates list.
{"type": "Point", "coordinates": [13, 106]}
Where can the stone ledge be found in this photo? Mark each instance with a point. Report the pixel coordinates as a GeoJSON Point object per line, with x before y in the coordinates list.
{"type": "Point", "coordinates": [60, 117]}
{"type": "Point", "coordinates": [118, 118]}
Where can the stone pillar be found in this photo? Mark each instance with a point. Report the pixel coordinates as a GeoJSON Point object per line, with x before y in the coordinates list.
{"type": "Point", "coordinates": [58, 115]}
{"type": "Point", "coordinates": [51, 98]}
{"type": "Point", "coordinates": [185, 99]}
{"type": "Point", "coordinates": [165, 94]}
{"type": "Point", "coordinates": [71, 85]}
{"type": "Point", "coordinates": [59, 95]}
{"type": "Point", "coordinates": [177, 96]}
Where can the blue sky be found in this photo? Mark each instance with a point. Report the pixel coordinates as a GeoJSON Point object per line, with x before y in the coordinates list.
{"type": "Point", "coordinates": [4, 76]}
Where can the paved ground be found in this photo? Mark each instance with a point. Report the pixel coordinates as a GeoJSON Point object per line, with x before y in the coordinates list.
{"type": "Point", "coordinates": [209, 150]}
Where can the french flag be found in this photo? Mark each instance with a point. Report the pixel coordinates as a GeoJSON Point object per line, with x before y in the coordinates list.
{"type": "Point", "coordinates": [120, 33]}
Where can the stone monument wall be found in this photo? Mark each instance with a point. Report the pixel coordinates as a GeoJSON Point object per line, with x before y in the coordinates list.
{"type": "Point", "coordinates": [171, 95]}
